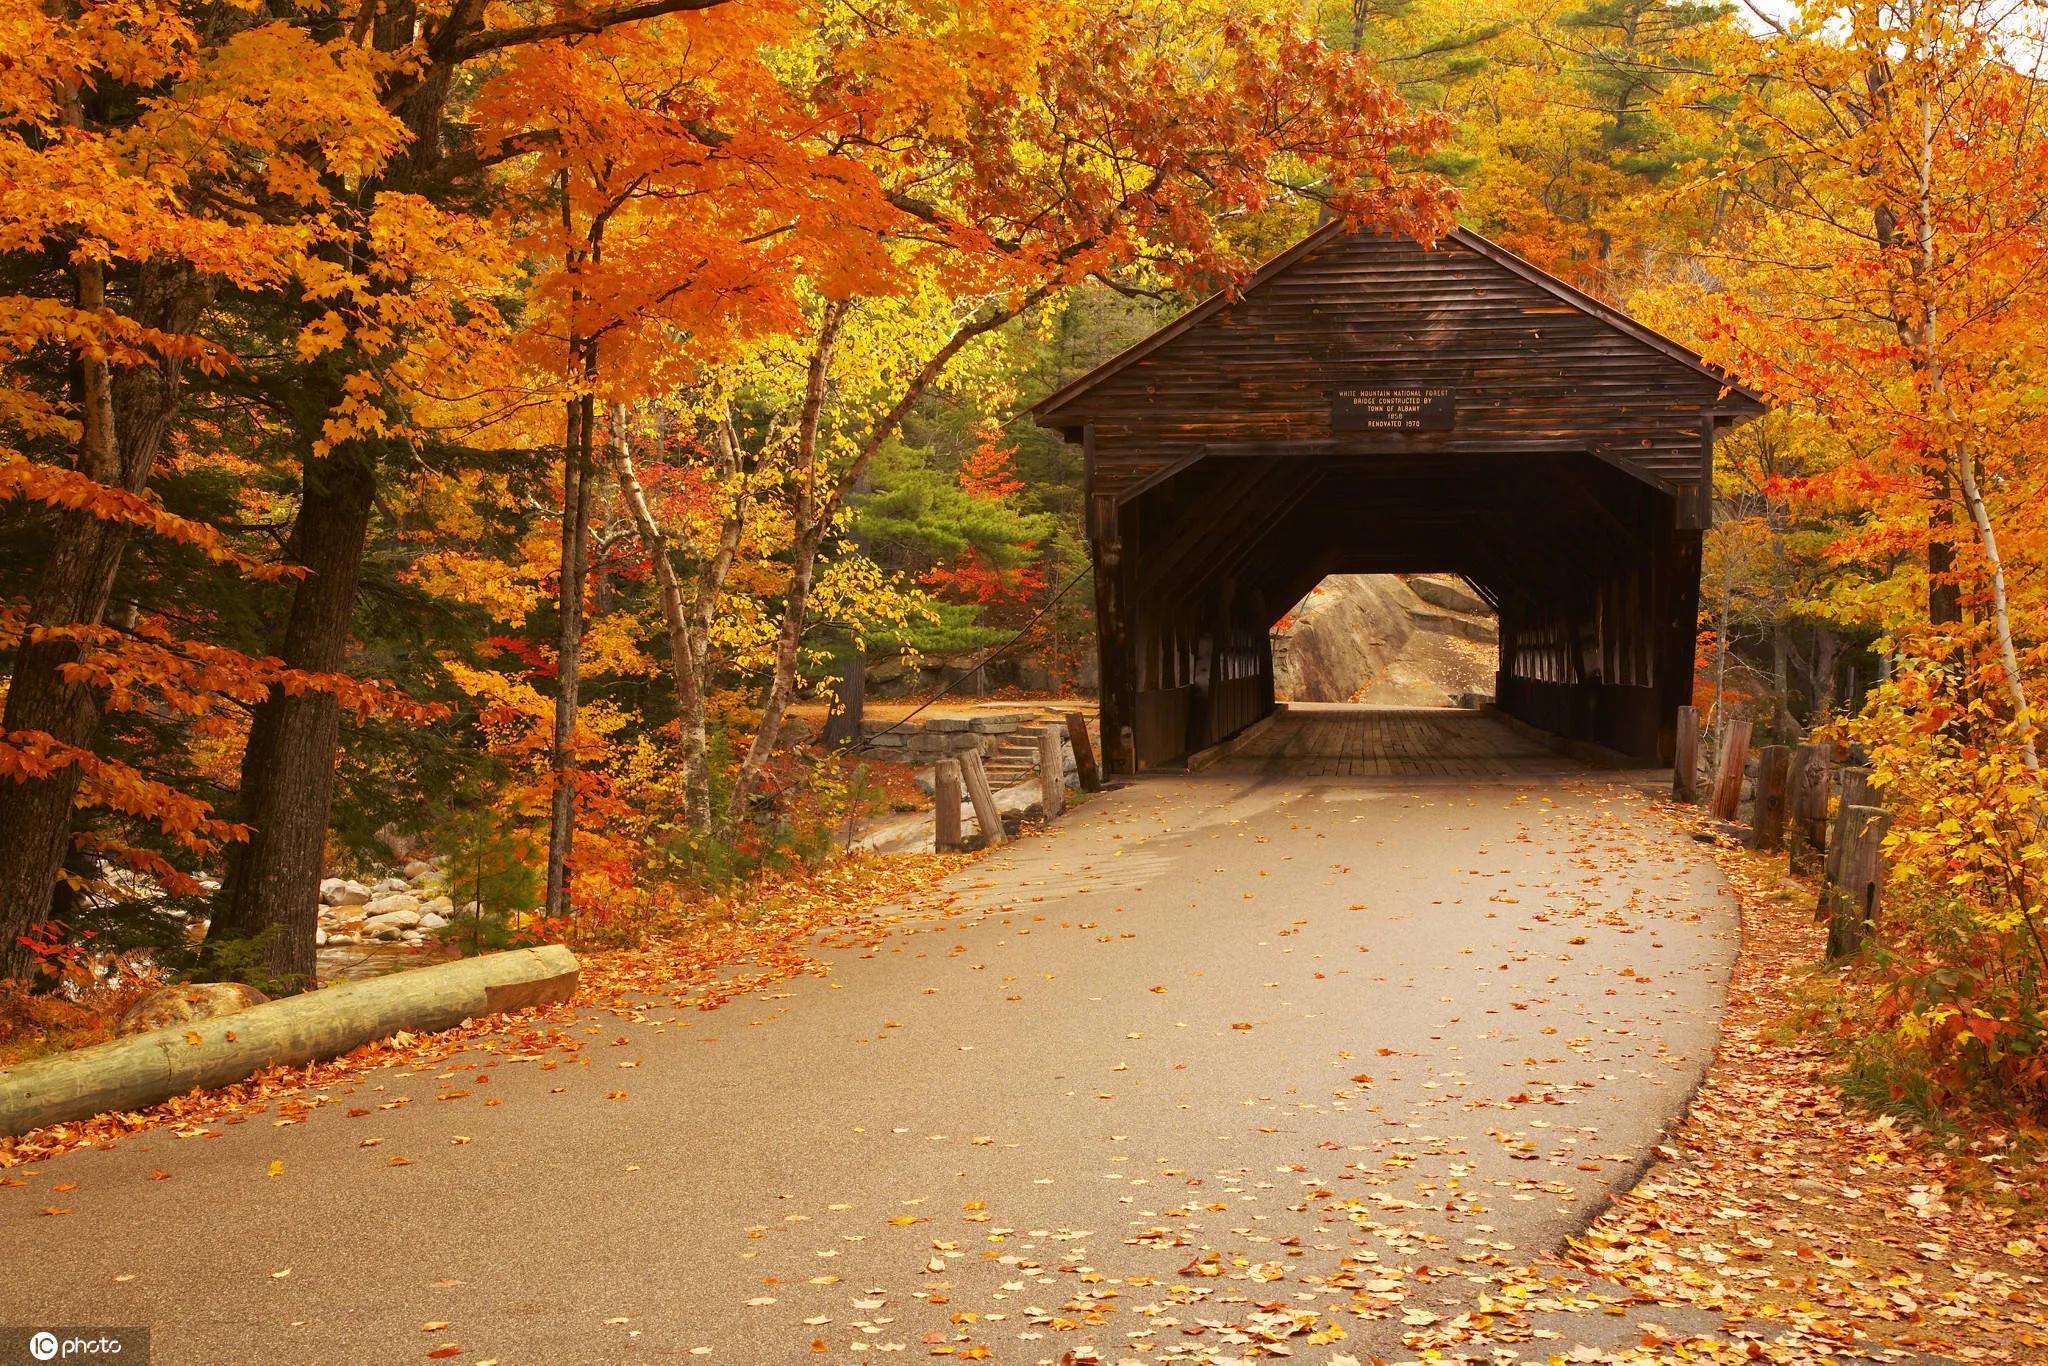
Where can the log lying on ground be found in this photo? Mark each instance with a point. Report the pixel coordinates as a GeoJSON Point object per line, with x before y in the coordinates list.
{"type": "Point", "coordinates": [130, 1073]}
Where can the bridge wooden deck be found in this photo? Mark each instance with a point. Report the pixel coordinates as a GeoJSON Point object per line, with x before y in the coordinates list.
{"type": "Point", "coordinates": [1309, 739]}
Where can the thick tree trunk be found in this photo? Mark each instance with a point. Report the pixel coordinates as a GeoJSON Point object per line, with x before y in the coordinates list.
{"type": "Point", "coordinates": [272, 889]}
{"type": "Point", "coordinates": [575, 560]}
{"type": "Point", "coordinates": [124, 415]}
{"type": "Point", "coordinates": [1827, 650]}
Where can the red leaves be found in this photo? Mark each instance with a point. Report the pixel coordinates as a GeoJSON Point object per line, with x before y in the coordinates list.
{"type": "Point", "coordinates": [991, 470]}
{"type": "Point", "coordinates": [31, 754]}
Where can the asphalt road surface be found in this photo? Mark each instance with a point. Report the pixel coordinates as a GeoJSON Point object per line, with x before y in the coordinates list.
{"type": "Point", "coordinates": [1319, 1038]}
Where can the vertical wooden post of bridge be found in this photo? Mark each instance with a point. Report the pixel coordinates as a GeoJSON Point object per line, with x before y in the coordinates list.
{"type": "Point", "coordinates": [1806, 808]}
{"type": "Point", "coordinates": [946, 806]}
{"type": "Point", "coordinates": [1728, 777]}
{"type": "Point", "coordinates": [1685, 763]}
{"type": "Point", "coordinates": [1767, 813]}
{"type": "Point", "coordinates": [1052, 771]}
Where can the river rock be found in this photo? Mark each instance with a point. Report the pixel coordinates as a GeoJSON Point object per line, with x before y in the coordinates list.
{"type": "Point", "coordinates": [397, 919]}
{"type": "Point", "coordinates": [337, 891]}
{"type": "Point", "coordinates": [429, 920]}
{"type": "Point", "coordinates": [185, 1002]}
{"type": "Point", "coordinates": [418, 869]}
{"type": "Point", "coordinates": [391, 901]}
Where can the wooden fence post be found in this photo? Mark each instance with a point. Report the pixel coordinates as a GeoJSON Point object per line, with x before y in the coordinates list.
{"type": "Point", "coordinates": [1728, 778]}
{"type": "Point", "coordinates": [1084, 752]}
{"type": "Point", "coordinates": [1767, 815]}
{"type": "Point", "coordinates": [985, 814]}
{"type": "Point", "coordinates": [946, 806]}
{"type": "Point", "coordinates": [1685, 764]}
{"type": "Point", "coordinates": [1855, 791]}
{"type": "Point", "coordinates": [1806, 807]}
{"type": "Point", "coordinates": [1052, 771]}
{"type": "Point", "coordinates": [1858, 896]}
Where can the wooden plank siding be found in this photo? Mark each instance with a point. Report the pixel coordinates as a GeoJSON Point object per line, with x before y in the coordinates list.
{"type": "Point", "coordinates": [1569, 486]}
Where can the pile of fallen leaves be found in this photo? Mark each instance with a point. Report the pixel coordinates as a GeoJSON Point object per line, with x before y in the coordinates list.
{"type": "Point", "coordinates": [1778, 1203]}
{"type": "Point", "coordinates": [767, 932]}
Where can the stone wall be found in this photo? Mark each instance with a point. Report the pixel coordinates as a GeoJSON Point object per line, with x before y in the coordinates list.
{"type": "Point", "coordinates": [924, 740]}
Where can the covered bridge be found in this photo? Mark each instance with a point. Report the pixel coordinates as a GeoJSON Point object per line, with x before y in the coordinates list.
{"type": "Point", "coordinates": [1369, 405]}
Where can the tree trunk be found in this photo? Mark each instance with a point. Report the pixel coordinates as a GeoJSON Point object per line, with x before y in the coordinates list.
{"type": "Point", "coordinates": [272, 888]}
{"type": "Point", "coordinates": [1782, 720]}
{"type": "Point", "coordinates": [576, 476]}
{"type": "Point", "coordinates": [125, 416]}
{"type": "Point", "coordinates": [782, 687]}
{"type": "Point", "coordinates": [1944, 593]}
{"type": "Point", "coordinates": [2001, 620]}
{"type": "Point", "coordinates": [686, 659]}
{"type": "Point", "coordinates": [818, 496]}
{"type": "Point", "coordinates": [811, 522]}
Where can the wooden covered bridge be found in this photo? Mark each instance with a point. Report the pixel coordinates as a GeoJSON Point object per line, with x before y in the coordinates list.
{"type": "Point", "coordinates": [1368, 405]}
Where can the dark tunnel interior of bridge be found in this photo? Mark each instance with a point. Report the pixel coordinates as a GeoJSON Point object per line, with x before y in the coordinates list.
{"type": "Point", "coordinates": [1582, 562]}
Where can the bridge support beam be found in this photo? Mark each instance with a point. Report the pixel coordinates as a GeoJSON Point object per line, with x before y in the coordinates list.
{"type": "Point", "coordinates": [1111, 529]}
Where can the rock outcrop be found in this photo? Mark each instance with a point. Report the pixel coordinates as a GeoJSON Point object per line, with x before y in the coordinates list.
{"type": "Point", "coordinates": [1405, 640]}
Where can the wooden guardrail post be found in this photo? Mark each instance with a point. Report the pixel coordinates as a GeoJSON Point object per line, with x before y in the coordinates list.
{"type": "Point", "coordinates": [1084, 753]}
{"type": "Point", "coordinates": [1767, 814]}
{"type": "Point", "coordinates": [985, 814]}
{"type": "Point", "coordinates": [946, 806]}
{"type": "Point", "coordinates": [1854, 785]}
{"type": "Point", "coordinates": [1858, 895]}
{"type": "Point", "coordinates": [1806, 807]}
{"type": "Point", "coordinates": [1685, 763]}
{"type": "Point", "coordinates": [1052, 771]}
{"type": "Point", "coordinates": [1728, 777]}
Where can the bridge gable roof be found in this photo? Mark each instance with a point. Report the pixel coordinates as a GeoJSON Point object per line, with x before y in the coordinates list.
{"type": "Point", "coordinates": [1533, 363]}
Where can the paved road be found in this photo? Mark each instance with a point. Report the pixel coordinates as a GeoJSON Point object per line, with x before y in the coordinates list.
{"type": "Point", "coordinates": [1227, 1058]}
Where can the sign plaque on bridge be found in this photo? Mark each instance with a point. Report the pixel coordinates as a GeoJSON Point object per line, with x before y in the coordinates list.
{"type": "Point", "coordinates": [1393, 407]}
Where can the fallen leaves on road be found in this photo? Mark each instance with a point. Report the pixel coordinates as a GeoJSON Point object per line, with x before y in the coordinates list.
{"type": "Point", "coordinates": [1779, 1202]}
